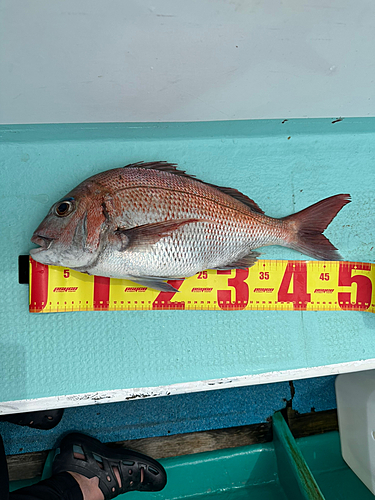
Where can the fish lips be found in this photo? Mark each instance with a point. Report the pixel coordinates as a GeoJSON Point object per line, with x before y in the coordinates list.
{"type": "Point", "coordinates": [43, 242]}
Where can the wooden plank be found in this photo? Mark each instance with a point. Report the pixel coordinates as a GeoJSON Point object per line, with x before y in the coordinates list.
{"type": "Point", "coordinates": [308, 424]}
{"type": "Point", "coordinates": [26, 465]}
{"type": "Point", "coordinates": [30, 465]}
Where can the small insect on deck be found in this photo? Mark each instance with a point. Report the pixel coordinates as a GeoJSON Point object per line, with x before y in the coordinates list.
{"type": "Point", "coordinates": [268, 285]}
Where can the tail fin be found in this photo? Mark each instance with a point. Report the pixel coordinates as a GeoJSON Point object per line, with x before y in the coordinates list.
{"type": "Point", "coordinates": [309, 224]}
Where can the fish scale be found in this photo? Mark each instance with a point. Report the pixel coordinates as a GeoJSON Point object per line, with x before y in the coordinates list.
{"type": "Point", "coordinates": [149, 222]}
{"type": "Point", "coordinates": [190, 248]}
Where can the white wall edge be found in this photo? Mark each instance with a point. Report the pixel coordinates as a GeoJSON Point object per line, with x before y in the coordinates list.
{"type": "Point", "coordinates": [121, 395]}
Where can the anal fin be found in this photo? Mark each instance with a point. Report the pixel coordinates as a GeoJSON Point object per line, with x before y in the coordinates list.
{"type": "Point", "coordinates": [155, 283]}
{"type": "Point", "coordinates": [242, 263]}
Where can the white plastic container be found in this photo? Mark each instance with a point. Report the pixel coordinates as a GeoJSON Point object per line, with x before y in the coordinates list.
{"type": "Point", "coordinates": [355, 393]}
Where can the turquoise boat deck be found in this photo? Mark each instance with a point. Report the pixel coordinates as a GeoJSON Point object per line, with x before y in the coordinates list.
{"type": "Point", "coordinates": [71, 359]}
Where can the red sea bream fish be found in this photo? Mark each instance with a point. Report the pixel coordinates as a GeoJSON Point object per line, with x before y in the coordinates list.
{"type": "Point", "coordinates": [150, 222]}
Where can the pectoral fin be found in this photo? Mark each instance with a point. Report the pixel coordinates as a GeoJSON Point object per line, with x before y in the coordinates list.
{"type": "Point", "coordinates": [148, 234]}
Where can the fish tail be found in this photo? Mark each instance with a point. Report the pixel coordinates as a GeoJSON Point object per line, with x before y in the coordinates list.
{"type": "Point", "coordinates": [307, 226]}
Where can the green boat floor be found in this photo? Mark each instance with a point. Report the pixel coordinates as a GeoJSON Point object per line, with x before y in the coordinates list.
{"type": "Point", "coordinates": [335, 479]}
{"type": "Point", "coordinates": [232, 474]}
{"type": "Point", "coordinates": [252, 472]}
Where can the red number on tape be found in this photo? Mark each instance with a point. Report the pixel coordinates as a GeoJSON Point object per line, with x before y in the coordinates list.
{"type": "Point", "coordinates": [101, 293]}
{"type": "Point", "coordinates": [39, 289]}
{"type": "Point", "coordinates": [163, 300]}
{"type": "Point", "coordinates": [364, 286]}
{"type": "Point", "coordinates": [224, 297]}
{"type": "Point", "coordinates": [295, 273]}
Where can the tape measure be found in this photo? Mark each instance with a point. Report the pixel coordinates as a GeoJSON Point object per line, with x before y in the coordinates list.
{"type": "Point", "coordinates": [268, 285]}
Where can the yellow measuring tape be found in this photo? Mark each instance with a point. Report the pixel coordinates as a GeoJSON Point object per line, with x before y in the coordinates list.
{"type": "Point", "coordinates": [268, 285]}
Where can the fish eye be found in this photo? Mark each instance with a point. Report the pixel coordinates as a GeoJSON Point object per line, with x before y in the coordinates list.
{"type": "Point", "coordinates": [64, 208]}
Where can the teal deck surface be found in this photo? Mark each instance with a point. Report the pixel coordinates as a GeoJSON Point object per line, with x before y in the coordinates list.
{"type": "Point", "coordinates": [284, 167]}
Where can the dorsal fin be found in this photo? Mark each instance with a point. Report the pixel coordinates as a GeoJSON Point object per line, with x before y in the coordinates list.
{"type": "Point", "coordinates": [234, 193]}
{"type": "Point", "coordinates": [172, 169]}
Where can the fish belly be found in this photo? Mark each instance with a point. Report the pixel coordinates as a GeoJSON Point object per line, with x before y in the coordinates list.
{"type": "Point", "coordinates": [190, 249]}
{"type": "Point", "coordinates": [228, 230]}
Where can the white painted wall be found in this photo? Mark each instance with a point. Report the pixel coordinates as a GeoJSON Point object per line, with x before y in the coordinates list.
{"type": "Point", "coordinates": [182, 60]}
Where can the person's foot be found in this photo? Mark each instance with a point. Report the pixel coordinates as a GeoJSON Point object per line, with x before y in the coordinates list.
{"type": "Point", "coordinates": [43, 419]}
{"type": "Point", "coordinates": [102, 473]}
{"type": "Point", "coordinates": [90, 487]}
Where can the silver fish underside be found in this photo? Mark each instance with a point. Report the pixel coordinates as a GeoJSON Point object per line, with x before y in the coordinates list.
{"type": "Point", "coordinates": [189, 250]}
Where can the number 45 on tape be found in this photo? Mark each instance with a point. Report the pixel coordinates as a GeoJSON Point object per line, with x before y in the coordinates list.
{"type": "Point", "coordinates": [268, 285]}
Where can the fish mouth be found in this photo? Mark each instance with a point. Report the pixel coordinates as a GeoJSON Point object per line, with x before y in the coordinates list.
{"type": "Point", "coordinates": [43, 242]}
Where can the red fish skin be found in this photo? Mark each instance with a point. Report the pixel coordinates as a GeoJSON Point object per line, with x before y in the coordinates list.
{"type": "Point", "coordinates": [223, 229]}
{"type": "Point", "coordinates": [63, 230]}
{"type": "Point", "coordinates": [136, 197]}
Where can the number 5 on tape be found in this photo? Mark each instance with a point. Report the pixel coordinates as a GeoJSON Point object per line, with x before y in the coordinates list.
{"type": "Point", "coordinates": [268, 285]}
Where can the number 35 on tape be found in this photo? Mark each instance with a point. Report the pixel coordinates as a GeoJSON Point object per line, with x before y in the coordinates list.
{"type": "Point", "coordinates": [269, 285]}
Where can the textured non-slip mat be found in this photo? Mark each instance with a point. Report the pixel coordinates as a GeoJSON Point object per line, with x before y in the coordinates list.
{"type": "Point", "coordinates": [284, 167]}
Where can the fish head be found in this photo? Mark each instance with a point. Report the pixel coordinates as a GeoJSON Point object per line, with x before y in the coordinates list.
{"type": "Point", "coordinates": [71, 232]}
